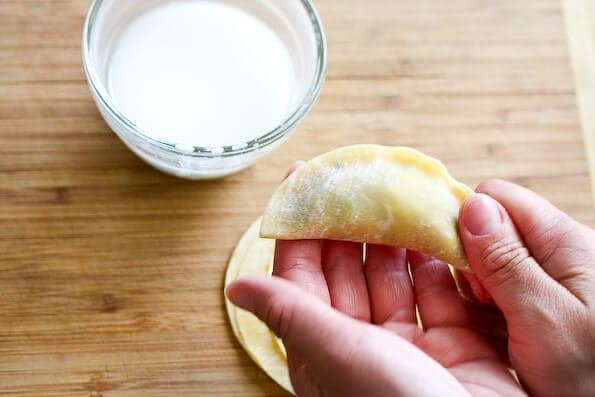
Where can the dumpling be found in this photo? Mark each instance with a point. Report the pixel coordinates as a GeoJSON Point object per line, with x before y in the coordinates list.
{"type": "Point", "coordinates": [376, 194]}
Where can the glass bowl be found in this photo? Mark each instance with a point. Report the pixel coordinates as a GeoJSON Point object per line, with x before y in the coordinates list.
{"type": "Point", "coordinates": [297, 24]}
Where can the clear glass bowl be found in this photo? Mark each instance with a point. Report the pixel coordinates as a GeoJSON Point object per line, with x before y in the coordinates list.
{"type": "Point", "coordinates": [297, 24]}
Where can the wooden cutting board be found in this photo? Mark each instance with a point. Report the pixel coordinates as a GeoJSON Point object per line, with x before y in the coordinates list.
{"type": "Point", "coordinates": [111, 273]}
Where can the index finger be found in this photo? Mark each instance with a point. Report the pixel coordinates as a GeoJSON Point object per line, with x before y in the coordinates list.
{"type": "Point", "coordinates": [300, 261]}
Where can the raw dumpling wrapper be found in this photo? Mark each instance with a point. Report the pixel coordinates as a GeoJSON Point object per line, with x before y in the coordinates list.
{"type": "Point", "coordinates": [375, 194]}
{"type": "Point", "coordinates": [254, 256]}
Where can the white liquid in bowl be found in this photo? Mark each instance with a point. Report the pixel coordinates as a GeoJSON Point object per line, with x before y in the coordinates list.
{"type": "Point", "coordinates": [202, 73]}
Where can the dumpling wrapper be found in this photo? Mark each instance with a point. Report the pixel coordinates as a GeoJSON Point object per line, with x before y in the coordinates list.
{"type": "Point", "coordinates": [254, 256]}
{"type": "Point", "coordinates": [376, 194]}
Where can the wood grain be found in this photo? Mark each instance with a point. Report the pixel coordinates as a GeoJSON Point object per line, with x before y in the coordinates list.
{"type": "Point", "coordinates": [111, 273]}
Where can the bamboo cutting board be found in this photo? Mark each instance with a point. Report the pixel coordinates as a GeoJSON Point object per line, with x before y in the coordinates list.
{"type": "Point", "coordinates": [111, 273]}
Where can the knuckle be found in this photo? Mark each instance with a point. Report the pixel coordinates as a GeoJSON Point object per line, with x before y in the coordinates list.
{"type": "Point", "coordinates": [279, 316]}
{"type": "Point", "coordinates": [432, 269]}
{"type": "Point", "coordinates": [550, 233]}
{"type": "Point", "coordinates": [503, 258]}
{"type": "Point", "coordinates": [294, 263]}
{"type": "Point", "coordinates": [488, 185]}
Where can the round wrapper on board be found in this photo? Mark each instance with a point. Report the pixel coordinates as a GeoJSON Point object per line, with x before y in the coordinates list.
{"type": "Point", "coordinates": [253, 256]}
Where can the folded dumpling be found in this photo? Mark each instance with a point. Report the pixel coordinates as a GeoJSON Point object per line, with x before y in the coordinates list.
{"type": "Point", "coordinates": [376, 194]}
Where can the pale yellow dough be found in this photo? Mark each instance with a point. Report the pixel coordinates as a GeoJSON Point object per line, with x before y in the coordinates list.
{"type": "Point", "coordinates": [254, 256]}
{"type": "Point", "coordinates": [376, 194]}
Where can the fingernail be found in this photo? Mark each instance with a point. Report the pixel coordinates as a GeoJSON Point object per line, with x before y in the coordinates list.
{"type": "Point", "coordinates": [481, 215]}
{"type": "Point", "coordinates": [239, 296]}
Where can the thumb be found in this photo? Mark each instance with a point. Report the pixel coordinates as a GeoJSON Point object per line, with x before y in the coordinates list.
{"type": "Point", "coordinates": [347, 357]}
{"type": "Point", "coordinates": [299, 318]}
{"type": "Point", "coordinates": [501, 261]}
{"type": "Point", "coordinates": [325, 340]}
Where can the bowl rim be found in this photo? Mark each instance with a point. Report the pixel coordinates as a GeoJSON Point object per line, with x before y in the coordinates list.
{"type": "Point", "coordinates": [302, 109]}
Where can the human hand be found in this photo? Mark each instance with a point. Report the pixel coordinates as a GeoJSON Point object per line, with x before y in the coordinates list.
{"type": "Point", "coordinates": [370, 344]}
{"type": "Point", "coordinates": [538, 266]}
{"type": "Point", "coordinates": [548, 308]}
{"type": "Point", "coordinates": [350, 327]}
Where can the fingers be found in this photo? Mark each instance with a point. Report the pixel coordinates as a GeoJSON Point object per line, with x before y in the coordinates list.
{"type": "Point", "coordinates": [347, 356]}
{"type": "Point", "coordinates": [389, 285]}
{"type": "Point", "coordinates": [317, 333]}
{"type": "Point", "coordinates": [307, 326]}
{"type": "Point", "coordinates": [302, 321]}
{"type": "Point", "coordinates": [562, 246]}
{"type": "Point", "coordinates": [537, 220]}
{"type": "Point", "coordinates": [342, 265]}
{"type": "Point", "coordinates": [300, 262]}
{"type": "Point", "coordinates": [500, 259]}
{"type": "Point", "coordinates": [436, 294]}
